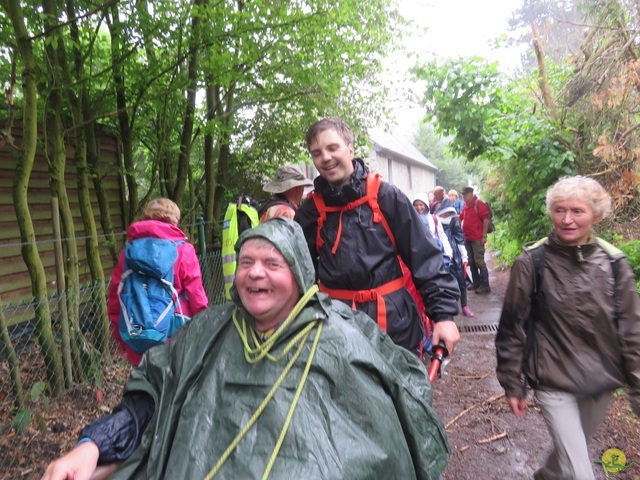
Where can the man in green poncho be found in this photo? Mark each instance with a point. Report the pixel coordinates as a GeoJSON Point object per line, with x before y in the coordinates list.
{"type": "Point", "coordinates": [282, 382]}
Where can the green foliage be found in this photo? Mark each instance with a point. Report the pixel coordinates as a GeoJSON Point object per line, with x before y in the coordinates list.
{"type": "Point", "coordinates": [21, 421]}
{"type": "Point", "coordinates": [632, 250]}
{"type": "Point", "coordinates": [508, 248]}
{"type": "Point", "coordinates": [272, 68]}
{"type": "Point", "coordinates": [461, 96]}
{"type": "Point", "coordinates": [24, 417]}
{"type": "Point", "coordinates": [496, 120]}
{"type": "Point", "coordinates": [452, 172]}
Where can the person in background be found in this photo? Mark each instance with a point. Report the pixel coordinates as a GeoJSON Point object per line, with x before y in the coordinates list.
{"type": "Point", "coordinates": [357, 258]}
{"type": "Point", "coordinates": [440, 200]}
{"type": "Point", "coordinates": [342, 400]}
{"type": "Point", "coordinates": [475, 224]}
{"type": "Point", "coordinates": [287, 188]}
{"type": "Point", "coordinates": [570, 325]}
{"type": "Point", "coordinates": [435, 228]}
{"type": "Point", "coordinates": [453, 230]}
{"type": "Point", "coordinates": [160, 219]}
{"type": "Point", "coordinates": [456, 200]}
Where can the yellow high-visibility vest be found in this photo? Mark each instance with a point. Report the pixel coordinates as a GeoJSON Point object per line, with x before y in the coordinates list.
{"type": "Point", "coordinates": [230, 237]}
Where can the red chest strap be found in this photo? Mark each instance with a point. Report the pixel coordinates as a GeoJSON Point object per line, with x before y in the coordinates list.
{"type": "Point", "coordinates": [371, 197]}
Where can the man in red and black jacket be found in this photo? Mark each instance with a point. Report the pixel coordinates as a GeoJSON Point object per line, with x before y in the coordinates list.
{"type": "Point", "coordinates": [475, 224]}
{"type": "Point", "coordinates": [355, 250]}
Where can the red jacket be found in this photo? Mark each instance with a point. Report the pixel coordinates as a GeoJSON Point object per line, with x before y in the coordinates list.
{"type": "Point", "coordinates": [472, 220]}
{"type": "Point", "coordinates": [186, 276]}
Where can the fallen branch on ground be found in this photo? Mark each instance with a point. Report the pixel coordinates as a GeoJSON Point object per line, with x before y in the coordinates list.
{"type": "Point", "coordinates": [473, 377]}
{"type": "Point", "coordinates": [467, 410]}
{"type": "Point", "coordinates": [492, 439]}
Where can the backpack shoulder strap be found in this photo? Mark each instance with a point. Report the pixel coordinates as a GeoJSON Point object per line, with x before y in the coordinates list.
{"type": "Point", "coordinates": [614, 254]}
{"type": "Point", "coordinates": [372, 186]}
{"type": "Point", "coordinates": [322, 215]}
{"type": "Point", "coordinates": [537, 250]}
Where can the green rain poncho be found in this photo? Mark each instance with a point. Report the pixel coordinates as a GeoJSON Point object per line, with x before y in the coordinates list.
{"type": "Point", "coordinates": [364, 411]}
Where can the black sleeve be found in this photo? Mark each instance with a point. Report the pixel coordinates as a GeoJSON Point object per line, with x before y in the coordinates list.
{"type": "Point", "coordinates": [307, 218]}
{"type": "Point", "coordinates": [117, 435]}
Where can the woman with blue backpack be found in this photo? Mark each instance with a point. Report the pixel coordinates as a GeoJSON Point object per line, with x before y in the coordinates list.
{"type": "Point", "coordinates": [157, 284]}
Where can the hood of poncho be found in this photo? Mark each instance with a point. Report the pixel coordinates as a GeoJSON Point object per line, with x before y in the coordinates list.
{"type": "Point", "coordinates": [287, 237]}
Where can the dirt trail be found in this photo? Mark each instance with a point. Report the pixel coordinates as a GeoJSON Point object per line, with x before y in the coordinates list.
{"type": "Point", "coordinates": [487, 441]}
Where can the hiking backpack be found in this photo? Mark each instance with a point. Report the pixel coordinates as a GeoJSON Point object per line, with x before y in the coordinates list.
{"type": "Point", "coordinates": [150, 309]}
{"type": "Point", "coordinates": [492, 227]}
{"type": "Point", "coordinates": [271, 202]}
{"type": "Point", "coordinates": [372, 186]}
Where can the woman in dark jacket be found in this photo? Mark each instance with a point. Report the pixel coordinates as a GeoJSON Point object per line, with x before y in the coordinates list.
{"type": "Point", "coordinates": [571, 327]}
{"type": "Point", "coordinates": [452, 228]}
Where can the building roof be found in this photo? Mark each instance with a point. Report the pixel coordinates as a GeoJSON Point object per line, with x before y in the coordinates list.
{"type": "Point", "coordinates": [389, 143]}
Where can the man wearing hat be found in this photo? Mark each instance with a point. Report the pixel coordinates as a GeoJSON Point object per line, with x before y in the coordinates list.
{"type": "Point", "coordinates": [287, 189]}
{"type": "Point", "coordinates": [475, 224]}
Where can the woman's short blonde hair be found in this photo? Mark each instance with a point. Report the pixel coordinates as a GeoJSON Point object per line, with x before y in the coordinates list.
{"type": "Point", "coordinates": [584, 188]}
{"type": "Point", "coordinates": [453, 192]}
{"type": "Point", "coordinates": [162, 209]}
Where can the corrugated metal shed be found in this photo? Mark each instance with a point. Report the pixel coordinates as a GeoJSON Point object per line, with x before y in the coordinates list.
{"type": "Point", "coordinates": [15, 283]}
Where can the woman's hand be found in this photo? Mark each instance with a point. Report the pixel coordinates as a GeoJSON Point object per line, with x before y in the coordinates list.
{"type": "Point", "coordinates": [517, 405]}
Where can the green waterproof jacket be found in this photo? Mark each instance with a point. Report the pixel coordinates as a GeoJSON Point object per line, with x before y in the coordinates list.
{"type": "Point", "coordinates": [364, 411]}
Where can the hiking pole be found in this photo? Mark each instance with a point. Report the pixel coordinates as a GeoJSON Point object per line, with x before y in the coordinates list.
{"type": "Point", "coordinates": [440, 352]}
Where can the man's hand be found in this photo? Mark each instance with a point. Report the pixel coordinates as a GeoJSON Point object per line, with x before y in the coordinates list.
{"type": "Point", "coordinates": [446, 331]}
{"type": "Point", "coordinates": [78, 464]}
{"type": "Point", "coordinates": [517, 405]}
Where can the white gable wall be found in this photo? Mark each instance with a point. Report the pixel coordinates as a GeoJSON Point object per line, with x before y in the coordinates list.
{"type": "Point", "coordinates": [409, 177]}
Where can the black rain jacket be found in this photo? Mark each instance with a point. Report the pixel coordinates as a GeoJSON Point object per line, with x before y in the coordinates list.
{"type": "Point", "coordinates": [366, 259]}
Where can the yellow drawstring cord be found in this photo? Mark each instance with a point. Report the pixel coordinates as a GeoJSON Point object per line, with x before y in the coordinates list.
{"type": "Point", "coordinates": [261, 351]}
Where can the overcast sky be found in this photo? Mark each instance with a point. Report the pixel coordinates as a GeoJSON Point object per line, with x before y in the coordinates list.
{"type": "Point", "coordinates": [455, 28]}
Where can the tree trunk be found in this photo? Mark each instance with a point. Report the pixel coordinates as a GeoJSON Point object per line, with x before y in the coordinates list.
{"type": "Point", "coordinates": [126, 132]}
{"type": "Point", "coordinates": [14, 364]}
{"type": "Point", "coordinates": [101, 321]}
{"type": "Point", "coordinates": [547, 97]}
{"type": "Point", "coordinates": [93, 156]}
{"type": "Point", "coordinates": [56, 161]}
{"type": "Point", "coordinates": [224, 154]}
{"type": "Point", "coordinates": [209, 166]}
{"type": "Point", "coordinates": [24, 166]}
{"type": "Point", "coordinates": [187, 127]}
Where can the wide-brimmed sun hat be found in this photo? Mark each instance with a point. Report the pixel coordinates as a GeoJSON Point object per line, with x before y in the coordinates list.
{"type": "Point", "coordinates": [287, 177]}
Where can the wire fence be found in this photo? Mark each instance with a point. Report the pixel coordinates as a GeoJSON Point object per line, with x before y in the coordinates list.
{"type": "Point", "coordinates": [63, 370]}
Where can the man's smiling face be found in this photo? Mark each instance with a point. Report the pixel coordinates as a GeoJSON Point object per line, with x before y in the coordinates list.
{"type": "Point", "coordinates": [265, 283]}
{"type": "Point", "coordinates": [332, 157]}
